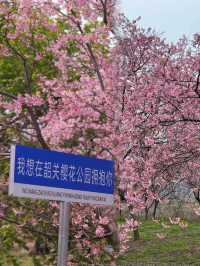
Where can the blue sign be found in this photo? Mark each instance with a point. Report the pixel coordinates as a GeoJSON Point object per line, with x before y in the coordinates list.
{"type": "Point", "coordinates": [53, 175]}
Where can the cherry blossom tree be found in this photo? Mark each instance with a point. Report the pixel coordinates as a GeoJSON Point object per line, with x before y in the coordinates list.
{"type": "Point", "coordinates": [160, 99]}
{"type": "Point", "coordinates": [60, 96]}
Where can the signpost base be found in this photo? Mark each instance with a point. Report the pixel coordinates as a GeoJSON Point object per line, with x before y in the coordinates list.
{"type": "Point", "coordinates": [63, 236]}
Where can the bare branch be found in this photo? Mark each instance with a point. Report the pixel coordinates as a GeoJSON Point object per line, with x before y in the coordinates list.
{"type": "Point", "coordinates": [197, 85]}
{"type": "Point", "coordinates": [29, 228]}
{"type": "Point", "coordinates": [104, 5]}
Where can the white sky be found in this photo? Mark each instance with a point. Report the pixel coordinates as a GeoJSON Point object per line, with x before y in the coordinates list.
{"type": "Point", "coordinates": [173, 18]}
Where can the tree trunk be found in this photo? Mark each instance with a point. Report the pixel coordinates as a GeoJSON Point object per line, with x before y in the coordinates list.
{"type": "Point", "coordinates": [113, 227]}
{"type": "Point", "coordinates": [136, 234]}
{"type": "Point", "coordinates": [197, 196]}
{"type": "Point", "coordinates": [156, 202]}
{"type": "Point", "coordinates": [146, 213]}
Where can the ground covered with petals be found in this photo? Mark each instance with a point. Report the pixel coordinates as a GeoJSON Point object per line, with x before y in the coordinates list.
{"type": "Point", "coordinates": [179, 247]}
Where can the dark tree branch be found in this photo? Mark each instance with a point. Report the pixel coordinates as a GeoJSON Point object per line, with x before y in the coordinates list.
{"type": "Point", "coordinates": [37, 128]}
{"type": "Point", "coordinates": [33, 119]}
{"type": "Point", "coordinates": [104, 5]}
{"type": "Point", "coordinates": [184, 119]}
{"type": "Point", "coordinates": [96, 66]}
{"type": "Point", "coordinates": [123, 98]}
{"type": "Point", "coordinates": [89, 48]}
{"type": "Point", "coordinates": [127, 153]}
{"type": "Point", "coordinates": [197, 85]}
{"type": "Point", "coordinates": [29, 228]}
{"type": "Point", "coordinates": [92, 56]}
{"type": "Point", "coordinates": [8, 95]}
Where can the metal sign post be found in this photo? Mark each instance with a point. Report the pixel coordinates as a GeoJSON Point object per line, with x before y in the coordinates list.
{"type": "Point", "coordinates": [63, 237]}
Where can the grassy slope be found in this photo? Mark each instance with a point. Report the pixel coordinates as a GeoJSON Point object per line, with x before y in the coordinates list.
{"type": "Point", "coordinates": [179, 247]}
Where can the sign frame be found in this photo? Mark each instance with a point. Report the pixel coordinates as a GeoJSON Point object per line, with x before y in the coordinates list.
{"type": "Point", "coordinates": [22, 187]}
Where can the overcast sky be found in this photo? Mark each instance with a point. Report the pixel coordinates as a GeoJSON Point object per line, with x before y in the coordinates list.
{"type": "Point", "coordinates": [173, 17]}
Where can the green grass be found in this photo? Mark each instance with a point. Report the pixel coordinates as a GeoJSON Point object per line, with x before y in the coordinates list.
{"type": "Point", "coordinates": [180, 247]}
{"type": "Point", "coordinates": [27, 262]}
